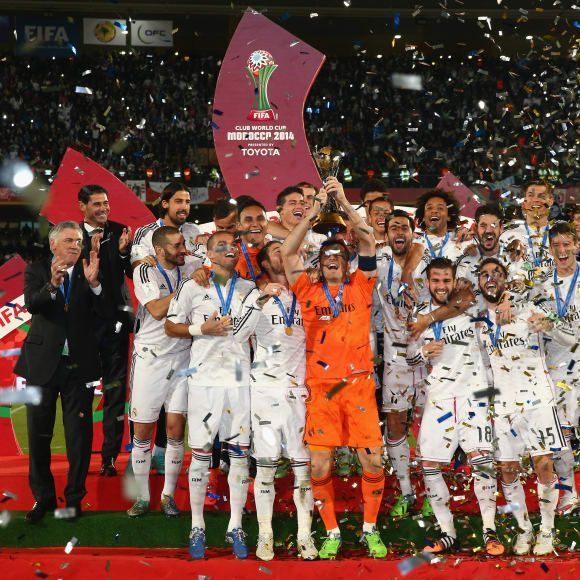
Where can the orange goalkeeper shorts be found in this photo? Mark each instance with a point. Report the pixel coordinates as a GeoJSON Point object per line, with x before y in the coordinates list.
{"type": "Point", "coordinates": [343, 413]}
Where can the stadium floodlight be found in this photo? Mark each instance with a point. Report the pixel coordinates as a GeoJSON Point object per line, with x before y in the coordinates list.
{"type": "Point", "coordinates": [16, 174]}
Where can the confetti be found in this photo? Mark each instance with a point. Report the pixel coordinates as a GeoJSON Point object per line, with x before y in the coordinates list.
{"type": "Point", "coordinates": [67, 513]}
{"type": "Point", "coordinates": [70, 545]}
{"type": "Point", "coordinates": [445, 417]}
{"type": "Point", "coordinates": [5, 518]}
{"type": "Point", "coordinates": [185, 372]}
{"type": "Point", "coordinates": [409, 82]}
{"type": "Point", "coordinates": [10, 352]}
{"type": "Point", "coordinates": [414, 562]}
{"type": "Point", "coordinates": [28, 396]}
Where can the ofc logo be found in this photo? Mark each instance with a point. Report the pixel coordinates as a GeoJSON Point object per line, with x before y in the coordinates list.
{"type": "Point", "coordinates": [153, 35]}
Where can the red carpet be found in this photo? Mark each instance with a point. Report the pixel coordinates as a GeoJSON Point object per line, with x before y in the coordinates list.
{"type": "Point", "coordinates": [128, 563]}
{"type": "Point", "coordinates": [105, 494]}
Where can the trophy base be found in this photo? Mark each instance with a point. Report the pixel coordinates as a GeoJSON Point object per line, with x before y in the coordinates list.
{"type": "Point", "coordinates": [329, 224]}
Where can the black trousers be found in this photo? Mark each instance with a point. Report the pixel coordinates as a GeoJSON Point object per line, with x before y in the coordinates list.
{"type": "Point", "coordinates": [114, 352]}
{"type": "Point", "coordinates": [77, 413]}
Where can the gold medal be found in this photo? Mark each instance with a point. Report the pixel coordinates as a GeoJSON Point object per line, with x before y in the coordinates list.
{"type": "Point", "coordinates": [66, 307]}
{"type": "Point", "coordinates": [288, 331]}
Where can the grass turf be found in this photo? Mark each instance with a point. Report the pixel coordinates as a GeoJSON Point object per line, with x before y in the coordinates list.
{"type": "Point", "coordinates": [116, 529]}
{"type": "Point", "coordinates": [18, 416]}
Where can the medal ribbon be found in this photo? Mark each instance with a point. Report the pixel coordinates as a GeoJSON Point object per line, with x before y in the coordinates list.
{"type": "Point", "coordinates": [288, 318]}
{"type": "Point", "coordinates": [437, 327]}
{"type": "Point", "coordinates": [562, 307]}
{"type": "Point", "coordinates": [334, 304]}
{"type": "Point", "coordinates": [537, 259]}
{"type": "Point", "coordinates": [68, 294]}
{"type": "Point", "coordinates": [248, 261]}
{"type": "Point", "coordinates": [492, 337]}
{"type": "Point", "coordinates": [430, 246]}
{"type": "Point", "coordinates": [166, 276]}
{"type": "Point", "coordinates": [225, 305]}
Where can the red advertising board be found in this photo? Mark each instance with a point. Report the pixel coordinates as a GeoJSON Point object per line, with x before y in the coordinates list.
{"type": "Point", "coordinates": [77, 170]}
{"type": "Point", "coordinates": [258, 122]}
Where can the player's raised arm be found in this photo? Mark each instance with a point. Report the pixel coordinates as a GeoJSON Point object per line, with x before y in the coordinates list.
{"type": "Point", "coordinates": [293, 263]}
{"type": "Point", "coordinates": [367, 245]}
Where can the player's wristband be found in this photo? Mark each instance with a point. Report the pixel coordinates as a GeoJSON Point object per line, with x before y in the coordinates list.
{"type": "Point", "coordinates": [432, 317]}
{"type": "Point", "coordinates": [367, 263]}
{"type": "Point", "coordinates": [195, 330]}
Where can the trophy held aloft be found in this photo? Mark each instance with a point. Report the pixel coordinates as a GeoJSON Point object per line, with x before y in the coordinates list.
{"type": "Point", "coordinates": [329, 222]}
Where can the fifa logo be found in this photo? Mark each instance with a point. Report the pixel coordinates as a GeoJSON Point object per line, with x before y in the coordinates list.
{"type": "Point", "coordinates": [260, 67]}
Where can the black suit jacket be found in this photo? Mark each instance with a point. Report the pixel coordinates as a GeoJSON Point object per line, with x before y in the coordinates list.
{"type": "Point", "coordinates": [51, 325]}
{"type": "Point", "coordinates": [112, 270]}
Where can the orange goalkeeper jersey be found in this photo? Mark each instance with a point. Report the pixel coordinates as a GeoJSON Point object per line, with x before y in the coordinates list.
{"type": "Point", "coordinates": [336, 347]}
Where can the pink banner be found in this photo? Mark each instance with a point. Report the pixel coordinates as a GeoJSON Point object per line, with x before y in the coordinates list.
{"type": "Point", "coordinates": [77, 170]}
{"type": "Point", "coordinates": [258, 121]}
{"type": "Point", "coordinates": [466, 197]}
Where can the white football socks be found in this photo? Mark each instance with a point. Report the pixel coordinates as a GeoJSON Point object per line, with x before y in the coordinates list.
{"type": "Point", "coordinates": [173, 463]}
{"type": "Point", "coordinates": [141, 462]}
{"type": "Point", "coordinates": [438, 495]}
{"type": "Point", "coordinates": [198, 477]}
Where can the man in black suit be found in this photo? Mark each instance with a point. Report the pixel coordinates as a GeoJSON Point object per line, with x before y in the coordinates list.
{"type": "Point", "coordinates": [60, 356]}
{"type": "Point", "coordinates": [112, 241]}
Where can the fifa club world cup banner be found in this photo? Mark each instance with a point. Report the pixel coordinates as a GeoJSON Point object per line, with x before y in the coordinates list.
{"type": "Point", "coordinates": [258, 120]}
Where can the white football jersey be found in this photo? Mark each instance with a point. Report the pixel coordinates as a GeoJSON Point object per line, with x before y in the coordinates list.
{"type": "Point", "coordinates": [389, 310]}
{"type": "Point", "coordinates": [435, 247]}
{"type": "Point", "coordinates": [535, 244]}
{"type": "Point", "coordinates": [150, 284]}
{"type": "Point", "coordinates": [468, 266]}
{"type": "Point", "coordinates": [458, 371]}
{"type": "Point", "coordinates": [518, 361]}
{"type": "Point", "coordinates": [563, 361]}
{"type": "Point", "coordinates": [279, 358]}
{"type": "Point", "coordinates": [218, 360]}
{"type": "Point", "coordinates": [142, 242]}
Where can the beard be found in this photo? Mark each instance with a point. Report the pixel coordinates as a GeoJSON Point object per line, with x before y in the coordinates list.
{"type": "Point", "coordinates": [493, 298]}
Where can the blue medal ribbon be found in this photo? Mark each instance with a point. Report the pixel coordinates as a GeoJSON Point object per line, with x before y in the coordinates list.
{"type": "Point", "coordinates": [225, 305]}
{"type": "Point", "coordinates": [68, 294]}
{"type": "Point", "coordinates": [437, 327]}
{"type": "Point", "coordinates": [537, 259]}
{"type": "Point", "coordinates": [288, 318]}
{"type": "Point", "coordinates": [334, 304]}
{"type": "Point", "coordinates": [562, 307]}
{"type": "Point", "coordinates": [398, 300]}
{"type": "Point", "coordinates": [166, 276]}
{"type": "Point", "coordinates": [493, 337]}
{"type": "Point", "coordinates": [430, 246]}
{"type": "Point", "coordinates": [248, 261]}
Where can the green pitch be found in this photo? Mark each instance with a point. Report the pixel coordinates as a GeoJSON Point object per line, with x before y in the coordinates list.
{"type": "Point", "coordinates": [18, 414]}
{"type": "Point", "coordinates": [115, 529]}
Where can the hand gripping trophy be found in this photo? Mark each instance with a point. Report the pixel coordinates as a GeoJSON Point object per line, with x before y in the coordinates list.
{"type": "Point", "coordinates": [329, 221]}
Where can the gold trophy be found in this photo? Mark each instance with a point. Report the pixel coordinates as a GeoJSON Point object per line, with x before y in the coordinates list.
{"type": "Point", "coordinates": [329, 222]}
